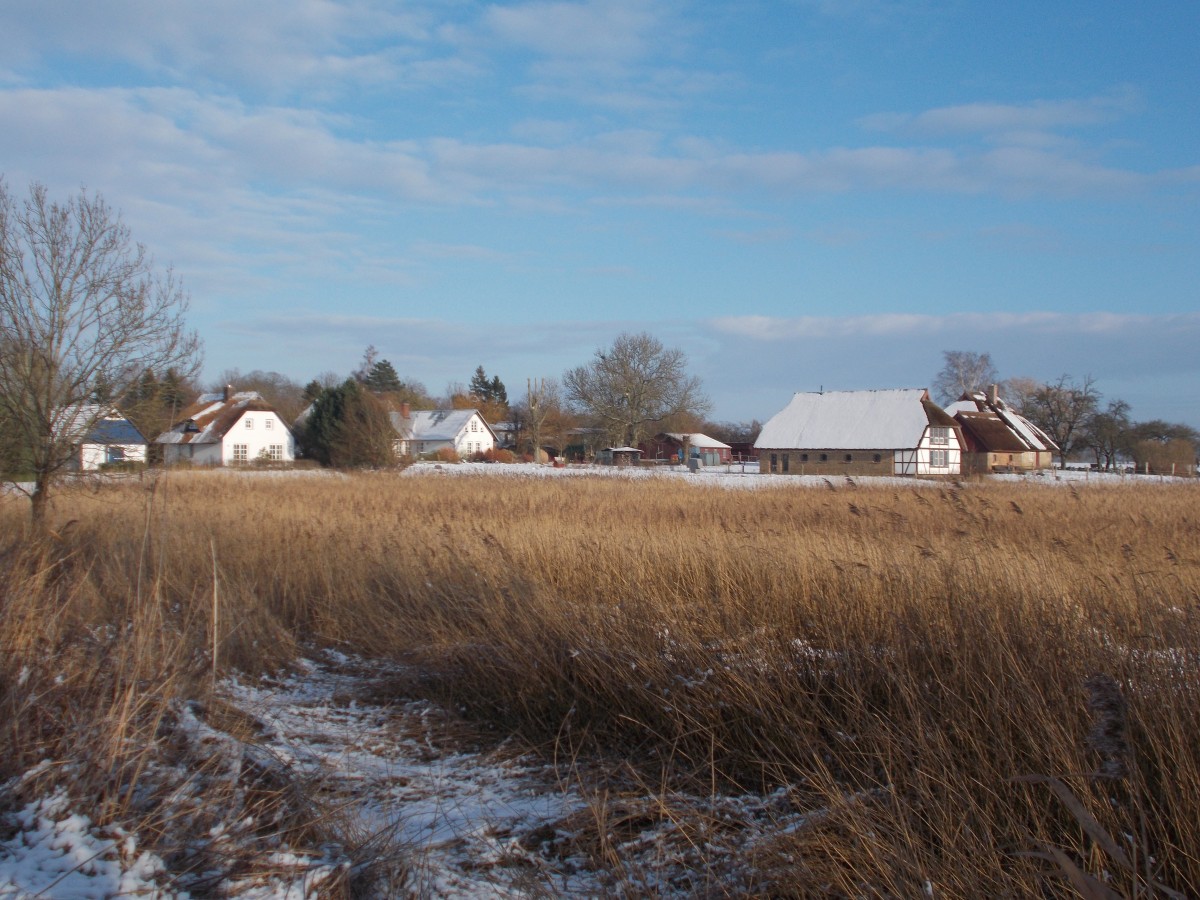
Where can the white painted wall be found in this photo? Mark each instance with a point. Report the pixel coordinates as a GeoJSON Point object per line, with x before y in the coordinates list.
{"type": "Point", "coordinates": [257, 433]}
{"type": "Point", "coordinates": [919, 461]}
{"type": "Point", "coordinates": [93, 456]}
{"type": "Point", "coordinates": [474, 438]}
{"type": "Point", "coordinates": [265, 430]}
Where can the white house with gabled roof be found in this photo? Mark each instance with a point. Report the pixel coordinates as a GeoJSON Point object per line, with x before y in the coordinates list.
{"type": "Point", "coordinates": [420, 432]}
{"type": "Point", "coordinates": [228, 428]}
{"type": "Point", "coordinates": [100, 436]}
{"type": "Point", "coordinates": [881, 432]}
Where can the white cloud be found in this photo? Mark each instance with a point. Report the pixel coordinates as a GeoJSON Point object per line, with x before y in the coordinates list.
{"type": "Point", "coordinates": [598, 33]}
{"type": "Point", "coordinates": [1033, 118]}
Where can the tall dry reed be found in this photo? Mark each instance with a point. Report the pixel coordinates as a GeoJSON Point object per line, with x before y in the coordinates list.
{"type": "Point", "coordinates": [902, 659]}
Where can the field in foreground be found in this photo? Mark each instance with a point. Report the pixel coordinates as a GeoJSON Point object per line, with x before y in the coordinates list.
{"type": "Point", "coordinates": [945, 690]}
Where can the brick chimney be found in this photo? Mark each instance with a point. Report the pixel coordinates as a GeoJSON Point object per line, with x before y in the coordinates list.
{"type": "Point", "coordinates": [405, 411]}
{"type": "Point", "coordinates": [228, 392]}
{"type": "Point", "coordinates": [993, 394]}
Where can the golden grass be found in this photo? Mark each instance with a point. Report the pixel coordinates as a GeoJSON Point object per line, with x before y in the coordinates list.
{"type": "Point", "coordinates": [898, 657]}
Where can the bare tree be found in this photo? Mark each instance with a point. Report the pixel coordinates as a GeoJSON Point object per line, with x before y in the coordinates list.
{"type": "Point", "coordinates": [1019, 391]}
{"type": "Point", "coordinates": [635, 383]}
{"type": "Point", "coordinates": [282, 392]}
{"type": "Point", "coordinates": [964, 372]}
{"type": "Point", "coordinates": [1061, 409]}
{"type": "Point", "coordinates": [1107, 434]}
{"type": "Point", "coordinates": [542, 412]}
{"type": "Point", "coordinates": [81, 306]}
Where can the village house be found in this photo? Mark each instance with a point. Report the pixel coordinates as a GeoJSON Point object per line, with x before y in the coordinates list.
{"type": "Point", "coordinates": [102, 436]}
{"type": "Point", "coordinates": [228, 428]}
{"type": "Point", "coordinates": [682, 446]}
{"type": "Point", "coordinates": [422, 432]}
{"type": "Point", "coordinates": [880, 432]}
{"type": "Point", "coordinates": [997, 438]}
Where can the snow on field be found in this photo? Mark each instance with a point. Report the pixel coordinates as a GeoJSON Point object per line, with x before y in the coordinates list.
{"type": "Point", "coordinates": [56, 852]}
{"type": "Point", "coordinates": [747, 476]}
{"type": "Point", "coordinates": [459, 820]}
{"type": "Point", "coordinates": [414, 809]}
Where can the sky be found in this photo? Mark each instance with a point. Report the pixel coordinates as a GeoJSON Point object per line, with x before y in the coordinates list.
{"type": "Point", "coordinates": [799, 194]}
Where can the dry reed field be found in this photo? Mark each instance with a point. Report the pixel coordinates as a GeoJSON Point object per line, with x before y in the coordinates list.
{"type": "Point", "coordinates": [981, 689]}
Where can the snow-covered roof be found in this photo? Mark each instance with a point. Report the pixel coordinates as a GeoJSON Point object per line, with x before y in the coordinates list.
{"type": "Point", "coordinates": [92, 423]}
{"type": "Point", "coordinates": [435, 424]}
{"type": "Point", "coordinates": [998, 426]}
{"type": "Point", "coordinates": [853, 420]}
{"type": "Point", "coordinates": [696, 439]}
{"type": "Point", "coordinates": [209, 419]}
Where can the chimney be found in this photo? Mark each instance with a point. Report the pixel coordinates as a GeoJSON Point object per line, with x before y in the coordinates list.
{"type": "Point", "coordinates": [405, 411]}
{"type": "Point", "coordinates": [993, 394]}
{"type": "Point", "coordinates": [228, 392]}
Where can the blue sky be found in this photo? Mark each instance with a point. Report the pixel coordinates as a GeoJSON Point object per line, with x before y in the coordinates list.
{"type": "Point", "coordinates": [798, 193]}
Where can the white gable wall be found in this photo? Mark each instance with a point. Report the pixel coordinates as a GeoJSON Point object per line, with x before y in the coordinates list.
{"type": "Point", "coordinates": [258, 435]}
{"type": "Point", "coordinates": [939, 453]}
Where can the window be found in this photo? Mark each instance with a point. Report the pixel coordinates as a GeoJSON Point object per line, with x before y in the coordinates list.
{"type": "Point", "coordinates": [849, 458]}
{"type": "Point", "coordinates": [249, 422]}
{"type": "Point", "coordinates": [241, 452]}
{"type": "Point", "coordinates": [939, 459]}
{"type": "Point", "coordinates": [774, 462]}
{"type": "Point", "coordinates": [803, 457]}
{"type": "Point", "coordinates": [474, 425]}
{"type": "Point", "coordinates": [269, 424]}
{"type": "Point", "coordinates": [824, 457]}
{"type": "Point", "coordinates": [785, 462]}
{"type": "Point", "coordinates": [939, 436]}
{"type": "Point", "coordinates": [878, 457]}
{"type": "Point", "coordinates": [275, 451]}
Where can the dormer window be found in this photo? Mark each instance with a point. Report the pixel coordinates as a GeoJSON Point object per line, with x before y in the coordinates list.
{"type": "Point", "coordinates": [190, 427]}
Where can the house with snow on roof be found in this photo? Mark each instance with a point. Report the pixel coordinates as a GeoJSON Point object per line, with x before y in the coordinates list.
{"type": "Point", "coordinates": [997, 437]}
{"type": "Point", "coordinates": [881, 432]}
{"type": "Point", "coordinates": [228, 428]}
{"type": "Point", "coordinates": [426, 431]}
{"type": "Point", "coordinates": [100, 436]}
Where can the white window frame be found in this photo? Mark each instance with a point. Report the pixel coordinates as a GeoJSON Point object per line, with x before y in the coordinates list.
{"type": "Point", "coordinates": [275, 452]}
{"type": "Point", "coordinates": [241, 453]}
{"type": "Point", "coordinates": [939, 435]}
{"type": "Point", "coordinates": [269, 423]}
{"type": "Point", "coordinates": [939, 459]}
{"type": "Point", "coordinates": [249, 422]}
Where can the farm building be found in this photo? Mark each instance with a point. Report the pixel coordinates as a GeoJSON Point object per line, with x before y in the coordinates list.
{"type": "Point", "coordinates": [682, 446]}
{"type": "Point", "coordinates": [997, 438]}
{"type": "Point", "coordinates": [420, 432]}
{"type": "Point", "coordinates": [882, 432]}
{"type": "Point", "coordinates": [228, 428]}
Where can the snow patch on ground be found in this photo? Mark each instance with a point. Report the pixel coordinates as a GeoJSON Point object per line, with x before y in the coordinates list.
{"type": "Point", "coordinates": [58, 852]}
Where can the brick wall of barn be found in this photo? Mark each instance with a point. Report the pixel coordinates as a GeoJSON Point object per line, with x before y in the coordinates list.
{"type": "Point", "coordinates": [825, 462]}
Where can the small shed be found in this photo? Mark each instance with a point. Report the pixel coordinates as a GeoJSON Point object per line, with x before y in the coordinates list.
{"type": "Point", "coordinates": [619, 456]}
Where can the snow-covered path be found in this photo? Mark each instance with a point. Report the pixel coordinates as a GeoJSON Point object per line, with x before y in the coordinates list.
{"type": "Point", "coordinates": [409, 807]}
{"type": "Point", "coordinates": [448, 821]}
